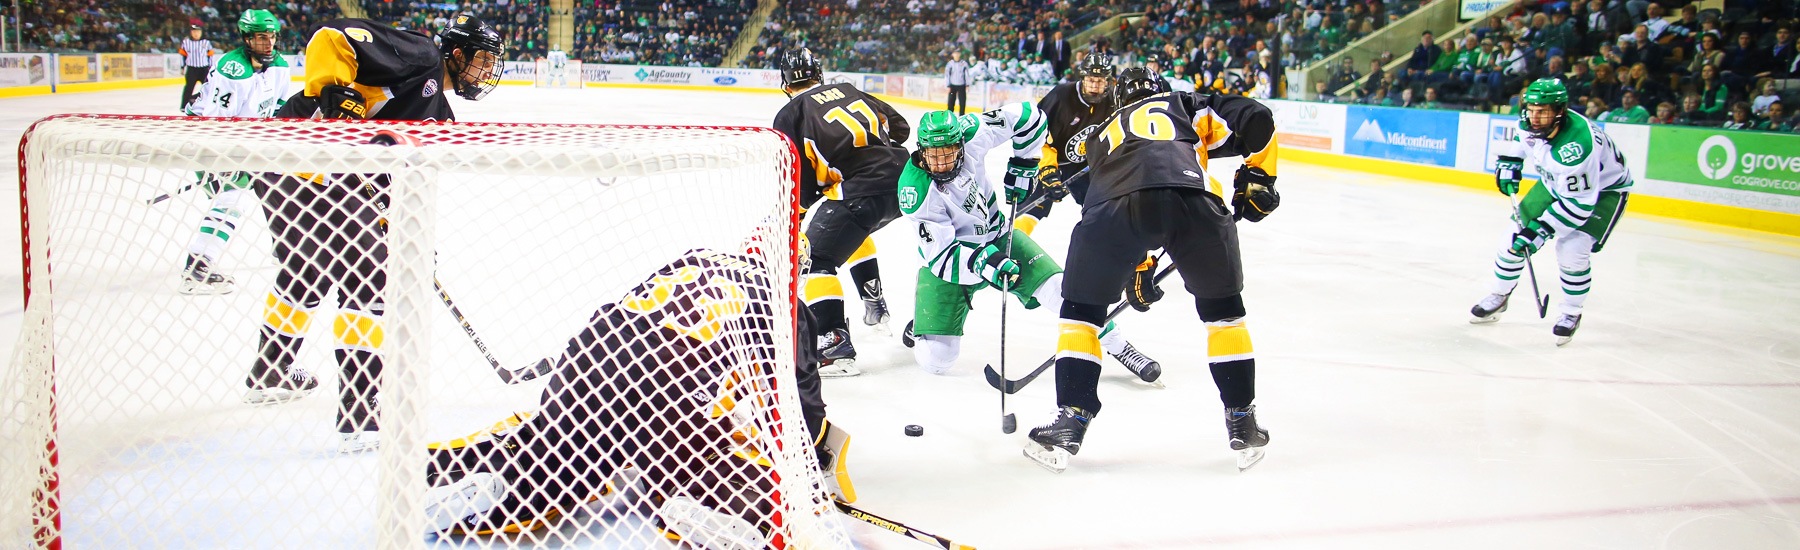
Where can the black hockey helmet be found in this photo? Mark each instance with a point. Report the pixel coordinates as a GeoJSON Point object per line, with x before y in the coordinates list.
{"type": "Point", "coordinates": [799, 65]}
{"type": "Point", "coordinates": [1095, 65]}
{"type": "Point", "coordinates": [472, 78]}
{"type": "Point", "coordinates": [1137, 83]}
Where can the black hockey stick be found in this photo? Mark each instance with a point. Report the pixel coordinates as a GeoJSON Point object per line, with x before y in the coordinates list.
{"type": "Point", "coordinates": [509, 376]}
{"type": "Point", "coordinates": [1541, 300]}
{"type": "Point", "coordinates": [1008, 422]}
{"type": "Point", "coordinates": [1007, 386]}
{"type": "Point", "coordinates": [897, 527]}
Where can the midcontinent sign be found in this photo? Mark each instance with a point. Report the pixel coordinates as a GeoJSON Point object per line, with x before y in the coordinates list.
{"type": "Point", "coordinates": [1749, 161]}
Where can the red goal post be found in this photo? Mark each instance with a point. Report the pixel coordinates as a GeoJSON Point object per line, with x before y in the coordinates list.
{"type": "Point", "coordinates": [120, 404]}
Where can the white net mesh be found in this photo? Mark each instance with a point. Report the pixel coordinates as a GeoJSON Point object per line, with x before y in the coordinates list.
{"type": "Point", "coordinates": [647, 271]}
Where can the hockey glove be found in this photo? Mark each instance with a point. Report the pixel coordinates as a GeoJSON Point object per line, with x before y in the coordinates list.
{"type": "Point", "coordinates": [994, 267]}
{"type": "Point", "coordinates": [1019, 173]}
{"type": "Point", "coordinates": [1508, 171]}
{"type": "Point", "coordinates": [342, 102]}
{"type": "Point", "coordinates": [1143, 286]}
{"type": "Point", "coordinates": [1255, 195]}
{"type": "Point", "coordinates": [1051, 183]}
{"type": "Point", "coordinates": [1530, 238]}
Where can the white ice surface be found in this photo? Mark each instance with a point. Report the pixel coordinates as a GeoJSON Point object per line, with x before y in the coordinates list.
{"type": "Point", "coordinates": [1672, 421]}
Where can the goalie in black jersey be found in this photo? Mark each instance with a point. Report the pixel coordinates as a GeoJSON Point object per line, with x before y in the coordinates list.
{"type": "Point", "coordinates": [851, 149]}
{"type": "Point", "coordinates": [327, 227]}
{"type": "Point", "coordinates": [1148, 190]}
{"type": "Point", "coordinates": [1074, 111]}
{"type": "Point", "coordinates": [663, 382]}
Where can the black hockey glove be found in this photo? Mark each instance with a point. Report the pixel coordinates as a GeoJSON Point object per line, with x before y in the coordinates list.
{"type": "Point", "coordinates": [342, 102]}
{"type": "Point", "coordinates": [1508, 171]}
{"type": "Point", "coordinates": [1051, 183]}
{"type": "Point", "coordinates": [1255, 195]}
{"type": "Point", "coordinates": [1019, 174]}
{"type": "Point", "coordinates": [1144, 291]}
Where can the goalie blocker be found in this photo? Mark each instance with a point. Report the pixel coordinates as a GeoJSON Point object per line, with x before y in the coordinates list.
{"type": "Point", "coordinates": [661, 383]}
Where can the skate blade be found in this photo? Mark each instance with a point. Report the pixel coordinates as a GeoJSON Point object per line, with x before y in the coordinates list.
{"type": "Point", "coordinates": [843, 368]}
{"type": "Point", "coordinates": [1157, 384]}
{"type": "Point", "coordinates": [1249, 457]}
{"type": "Point", "coordinates": [1051, 458]}
{"type": "Point", "coordinates": [882, 328]}
{"type": "Point", "coordinates": [1562, 340]}
{"type": "Point", "coordinates": [352, 443]}
{"type": "Point", "coordinates": [1483, 320]}
{"type": "Point", "coordinates": [273, 396]}
{"type": "Point", "coordinates": [190, 288]}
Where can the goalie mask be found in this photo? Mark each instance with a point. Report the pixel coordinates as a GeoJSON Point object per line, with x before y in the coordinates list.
{"type": "Point", "coordinates": [1137, 83]}
{"type": "Point", "coordinates": [941, 138]}
{"type": "Point", "coordinates": [799, 66]}
{"type": "Point", "coordinates": [259, 29]}
{"type": "Point", "coordinates": [1547, 94]}
{"type": "Point", "coordinates": [1096, 78]}
{"type": "Point", "coordinates": [472, 51]}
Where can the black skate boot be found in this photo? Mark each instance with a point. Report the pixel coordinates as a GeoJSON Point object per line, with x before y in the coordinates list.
{"type": "Point", "coordinates": [1246, 437]}
{"type": "Point", "coordinates": [840, 355]}
{"type": "Point", "coordinates": [1488, 309]}
{"type": "Point", "coordinates": [269, 386]}
{"type": "Point", "coordinates": [198, 278]}
{"type": "Point", "coordinates": [1052, 444]}
{"type": "Point", "coordinates": [907, 338]}
{"type": "Point", "coordinates": [1143, 366]}
{"type": "Point", "coordinates": [1565, 328]}
{"type": "Point", "coordinates": [358, 427]}
{"type": "Point", "coordinates": [875, 309]}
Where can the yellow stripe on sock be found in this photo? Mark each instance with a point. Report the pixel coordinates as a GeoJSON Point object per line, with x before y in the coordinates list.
{"type": "Point", "coordinates": [823, 286]}
{"type": "Point", "coordinates": [1025, 224]}
{"type": "Point", "coordinates": [358, 330]}
{"type": "Point", "coordinates": [1228, 341]}
{"type": "Point", "coordinates": [285, 317]}
{"type": "Point", "coordinates": [863, 253]}
{"type": "Point", "coordinates": [1078, 340]}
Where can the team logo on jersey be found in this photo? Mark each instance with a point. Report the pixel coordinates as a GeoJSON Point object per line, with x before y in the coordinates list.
{"type": "Point", "coordinates": [909, 198]}
{"type": "Point", "coordinates": [232, 69]}
{"type": "Point", "coordinates": [431, 87]}
{"type": "Point", "coordinates": [359, 35]}
{"type": "Point", "coordinates": [1569, 152]}
{"type": "Point", "coordinates": [1715, 166]}
{"type": "Point", "coordinates": [1076, 151]}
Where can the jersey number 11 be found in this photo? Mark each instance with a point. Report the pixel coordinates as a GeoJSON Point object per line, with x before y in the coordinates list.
{"type": "Point", "coordinates": [859, 129]}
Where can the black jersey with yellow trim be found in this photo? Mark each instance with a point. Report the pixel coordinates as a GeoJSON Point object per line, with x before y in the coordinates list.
{"type": "Point", "coordinates": [400, 73]}
{"type": "Point", "coordinates": [1072, 120]}
{"type": "Point", "coordinates": [1165, 140]}
{"type": "Point", "coordinates": [850, 142]}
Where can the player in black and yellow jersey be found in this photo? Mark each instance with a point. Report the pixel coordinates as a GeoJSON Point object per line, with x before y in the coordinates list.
{"type": "Point", "coordinates": [1148, 189]}
{"type": "Point", "coordinates": [851, 152]}
{"type": "Point", "coordinates": [1074, 110]}
{"type": "Point", "coordinates": [327, 227]}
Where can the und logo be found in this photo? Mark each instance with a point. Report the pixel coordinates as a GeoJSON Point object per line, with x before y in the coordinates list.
{"type": "Point", "coordinates": [431, 88]}
{"type": "Point", "coordinates": [1569, 152]}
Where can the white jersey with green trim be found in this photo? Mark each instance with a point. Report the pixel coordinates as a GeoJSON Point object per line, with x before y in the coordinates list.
{"type": "Point", "coordinates": [236, 89]}
{"type": "Point", "coordinates": [959, 217]}
{"type": "Point", "coordinates": [558, 59]}
{"type": "Point", "coordinates": [1574, 166]}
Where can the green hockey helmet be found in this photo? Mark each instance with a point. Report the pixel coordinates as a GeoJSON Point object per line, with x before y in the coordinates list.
{"type": "Point", "coordinates": [1544, 91]}
{"type": "Point", "coordinates": [254, 22]}
{"type": "Point", "coordinates": [941, 138]}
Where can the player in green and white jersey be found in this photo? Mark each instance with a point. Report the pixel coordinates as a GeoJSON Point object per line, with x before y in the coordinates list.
{"type": "Point", "coordinates": [250, 81]}
{"type": "Point", "coordinates": [1581, 192]}
{"type": "Point", "coordinates": [963, 234]}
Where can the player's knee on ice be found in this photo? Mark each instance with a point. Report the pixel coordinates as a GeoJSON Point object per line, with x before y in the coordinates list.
{"type": "Point", "coordinates": [937, 353]}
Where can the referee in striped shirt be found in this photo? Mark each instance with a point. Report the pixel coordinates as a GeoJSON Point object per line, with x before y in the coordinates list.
{"type": "Point", "coordinates": [196, 54]}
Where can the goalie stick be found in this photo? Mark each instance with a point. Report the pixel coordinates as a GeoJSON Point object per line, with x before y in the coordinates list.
{"type": "Point", "coordinates": [1007, 386]}
{"type": "Point", "coordinates": [897, 527]}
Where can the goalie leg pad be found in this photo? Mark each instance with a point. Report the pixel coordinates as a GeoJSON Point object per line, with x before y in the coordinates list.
{"type": "Point", "coordinates": [833, 448]}
{"type": "Point", "coordinates": [686, 519]}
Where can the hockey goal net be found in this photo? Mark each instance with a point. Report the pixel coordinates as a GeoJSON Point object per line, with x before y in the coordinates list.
{"type": "Point", "coordinates": [550, 76]}
{"type": "Point", "coordinates": [651, 267]}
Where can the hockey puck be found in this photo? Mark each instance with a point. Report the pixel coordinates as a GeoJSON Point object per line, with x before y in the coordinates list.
{"type": "Point", "coordinates": [914, 430]}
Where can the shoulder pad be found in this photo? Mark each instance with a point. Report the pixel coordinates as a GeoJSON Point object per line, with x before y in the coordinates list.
{"type": "Point", "coordinates": [914, 185]}
{"type": "Point", "coordinates": [234, 66]}
{"type": "Point", "coordinates": [1572, 147]}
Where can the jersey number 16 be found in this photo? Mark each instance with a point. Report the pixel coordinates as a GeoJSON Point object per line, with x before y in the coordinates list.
{"type": "Point", "coordinates": [1149, 121]}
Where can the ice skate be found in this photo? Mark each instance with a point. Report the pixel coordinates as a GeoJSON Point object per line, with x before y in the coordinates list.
{"type": "Point", "coordinates": [1143, 366]}
{"type": "Point", "coordinates": [1565, 328]}
{"type": "Point", "coordinates": [840, 355]}
{"type": "Point", "coordinates": [198, 279]}
{"type": "Point", "coordinates": [875, 311]}
{"type": "Point", "coordinates": [1488, 309]}
{"type": "Point", "coordinates": [356, 442]}
{"type": "Point", "coordinates": [1052, 444]}
{"type": "Point", "coordinates": [704, 527]}
{"type": "Point", "coordinates": [1246, 437]}
{"type": "Point", "coordinates": [448, 506]}
{"type": "Point", "coordinates": [269, 386]}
